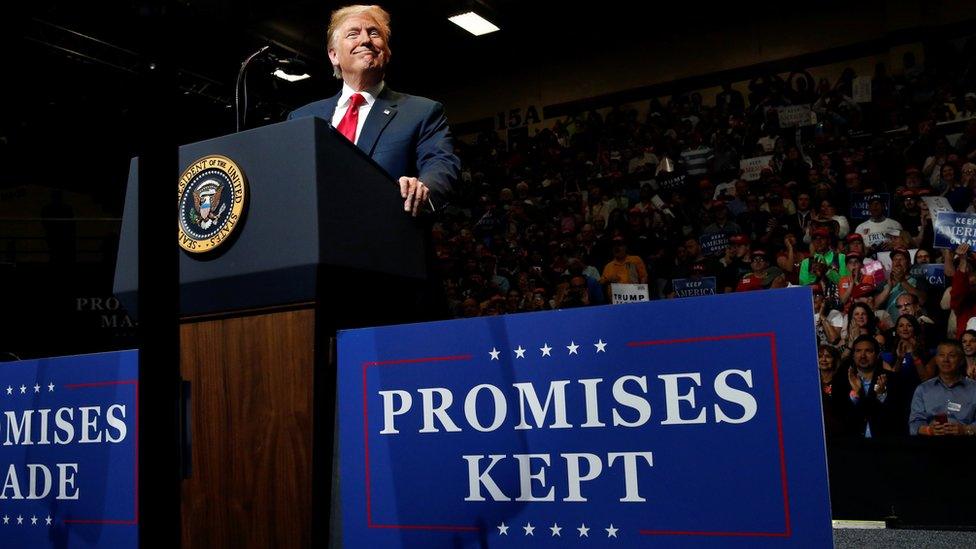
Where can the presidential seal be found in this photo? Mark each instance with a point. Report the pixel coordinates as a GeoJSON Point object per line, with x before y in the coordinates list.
{"type": "Point", "coordinates": [213, 194]}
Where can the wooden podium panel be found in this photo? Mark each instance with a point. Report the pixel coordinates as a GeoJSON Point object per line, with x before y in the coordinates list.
{"type": "Point", "coordinates": [251, 381]}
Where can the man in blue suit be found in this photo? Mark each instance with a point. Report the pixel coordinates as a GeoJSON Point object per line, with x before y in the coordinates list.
{"type": "Point", "coordinates": [407, 135]}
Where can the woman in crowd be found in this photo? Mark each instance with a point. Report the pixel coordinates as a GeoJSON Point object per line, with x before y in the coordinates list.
{"type": "Point", "coordinates": [828, 361]}
{"type": "Point", "coordinates": [828, 212]}
{"type": "Point", "coordinates": [856, 276]}
{"type": "Point", "coordinates": [969, 350]}
{"type": "Point", "coordinates": [909, 351]}
{"type": "Point", "coordinates": [860, 321]}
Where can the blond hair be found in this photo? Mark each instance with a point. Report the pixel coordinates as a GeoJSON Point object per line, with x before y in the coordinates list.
{"type": "Point", "coordinates": [340, 15]}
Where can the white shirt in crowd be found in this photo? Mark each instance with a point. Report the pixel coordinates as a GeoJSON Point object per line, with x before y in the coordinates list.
{"type": "Point", "coordinates": [876, 233]}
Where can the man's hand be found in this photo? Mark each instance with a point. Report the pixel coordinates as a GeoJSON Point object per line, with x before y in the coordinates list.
{"type": "Point", "coordinates": [953, 429]}
{"type": "Point", "coordinates": [414, 193]}
{"type": "Point", "coordinates": [881, 387]}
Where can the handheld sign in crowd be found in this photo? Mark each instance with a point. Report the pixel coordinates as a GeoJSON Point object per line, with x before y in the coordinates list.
{"type": "Point", "coordinates": [953, 229]}
{"type": "Point", "coordinates": [933, 273]}
{"type": "Point", "coordinates": [662, 424]}
{"type": "Point", "coordinates": [752, 167]}
{"type": "Point", "coordinates": [714, 243]}
{"type": "Point", "coordinates": [861, 89]}
{"type": "Point", "coordinates": [669, 181]}
{"type": "Point", "coordinates": [795, 116]}
{"type": "Point", "coordinates": [628, 293]}
{"type": "Point", "coordinates": [937, 204]}
{"type": "Point", "coordinates": [69, 452]}
{"type": "Point", "coordinates": [860, 204]}
{"type": "Point", "coordinates": [690, 287]}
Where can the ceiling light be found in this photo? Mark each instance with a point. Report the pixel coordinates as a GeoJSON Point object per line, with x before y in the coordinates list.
{"type": "Point", "coordinates": [473, 23]}
{"type": "Point", "coordinates": [290, 77]}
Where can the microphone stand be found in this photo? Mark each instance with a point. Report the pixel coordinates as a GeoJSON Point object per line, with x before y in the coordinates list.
{"type": "Point", "coordinates": [241, 117]}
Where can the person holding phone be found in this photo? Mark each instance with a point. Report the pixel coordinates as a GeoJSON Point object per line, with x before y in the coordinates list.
{"type": "Point", "coordinates": [946, 404]}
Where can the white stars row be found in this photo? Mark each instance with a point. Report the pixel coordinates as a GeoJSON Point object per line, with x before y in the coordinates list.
{"type": "Point", "coordinates": [556, 530]}
{"type": "Point", "coordinates": [546, 350]}
{"type": "Point", "coordinates": [33, 520]}
{"type": "Point", "coordinates": [23, 389]}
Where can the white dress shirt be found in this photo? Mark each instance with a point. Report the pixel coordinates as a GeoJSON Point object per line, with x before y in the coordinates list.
{"type": "Point", "coordinates": [342, 106]}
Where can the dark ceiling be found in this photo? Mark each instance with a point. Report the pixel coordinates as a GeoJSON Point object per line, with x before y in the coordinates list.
{"type": "Point", "coordinates": [74, 72]}
{"type": "Point", "coordinates": [207, 39]}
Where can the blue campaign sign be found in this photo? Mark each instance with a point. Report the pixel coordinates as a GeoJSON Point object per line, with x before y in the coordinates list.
{"type": "Point", "coordinates": [953, 229]}
{"type": "Point", "coordinates": [660, 424]}
{"type": "Point", "coordinates": [69, 448]}
{"type": "Point", "coordinates": [714, 243]}
{"type": "Point", "coordinates": [860, 201]}
{"type": "Point", "coordinates": [933, 273]}
{"type": "Point", "coordinates": [690, 287]}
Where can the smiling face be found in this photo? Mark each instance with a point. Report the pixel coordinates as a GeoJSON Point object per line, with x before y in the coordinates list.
{"type": "Point", "coordinates": [860, 317]}
{"type": "Point", "coordinates": [969, 344]}
{"type": "Point", "coordinates": [905, 329]}
{"type": "Point", "coordinates": [359, 49]}
{"type": "Point", "coordinates": [826, 360]}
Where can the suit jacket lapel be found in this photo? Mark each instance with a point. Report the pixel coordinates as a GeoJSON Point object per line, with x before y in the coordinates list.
{"type": "Point", "coordinates": [329, 107]}
{"type": "Point", "coordinates": [380, 115]}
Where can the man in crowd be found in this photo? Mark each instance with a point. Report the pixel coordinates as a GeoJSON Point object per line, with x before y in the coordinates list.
{"type": "Point", "coordinates": [763, 276]}
{"type": "Point", "coordinates": [908, 304]}
{"type": "Point", "coordinates": [900, 282]}
{"type": "Point", "coordinates": [865, 412]}
{"type": "Point", "coordinates": [879, 229]}
{"type": "Point", "coordinates": [824, 261]}
{"type": "Point", "coordinates": [946, 404]}
{"type": "Point", "coordinates": [623, 268]}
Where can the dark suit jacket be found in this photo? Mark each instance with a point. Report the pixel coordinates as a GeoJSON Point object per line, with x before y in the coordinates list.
{"type": "Point", "coordinates": [883, 417]}
{"type": "Point", "coordinates": [406, 135]}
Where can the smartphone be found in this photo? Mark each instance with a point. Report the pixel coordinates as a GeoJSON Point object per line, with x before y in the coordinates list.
{"type": "Point", "coordinates": [941, 418]}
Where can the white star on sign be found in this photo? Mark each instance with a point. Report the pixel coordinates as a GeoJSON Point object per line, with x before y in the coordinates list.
{"type": "Point", "coordinates": [50, 387]}
{"type": "Point", "coordinates": [20, 519]}
{"type": "Point", "coordinates": [37, 388]}
{"type": "Point", "coordinates": [611, 532]}
{"type": "Point", "coordinates": [502, 529]}
{"type": "Point", "coordinates": [494, 353]}
{"type": "Point", "coordinates": [584, 531]}
{"type": "Point", "coordinates": [572, 348]}
{"type": "Point", "coordinates": [48, 520]}
{"type": "Point", "coordinates": [6, 519]}
{"type": "Point", "coordinates": [545, 349]}
{"type": "Point", "coordinates": [529, 529]}
{"type": "Point", "coordinates": [23, 389]}
{"type": "Point", "coordinates": [601, 347]}
{"type": "Point", "coordinates": [34, 519]}
{"type": "Point", "coordinates": [10, 390]}
{"type": "Point", "coordinates": [520, 352]}
{"type": "Point", "coordinates": [555, 528]}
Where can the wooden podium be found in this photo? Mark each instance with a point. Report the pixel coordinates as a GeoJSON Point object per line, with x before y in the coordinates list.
{"type": "Point", "coordinates": [324, 245]}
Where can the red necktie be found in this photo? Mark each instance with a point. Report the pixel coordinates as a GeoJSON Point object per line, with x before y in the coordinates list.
{"type": "Point", "coordinates": [347, 126]}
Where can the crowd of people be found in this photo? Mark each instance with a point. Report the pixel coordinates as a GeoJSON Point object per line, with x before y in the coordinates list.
{"type": "Point", "coordinates": [837, 203]}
